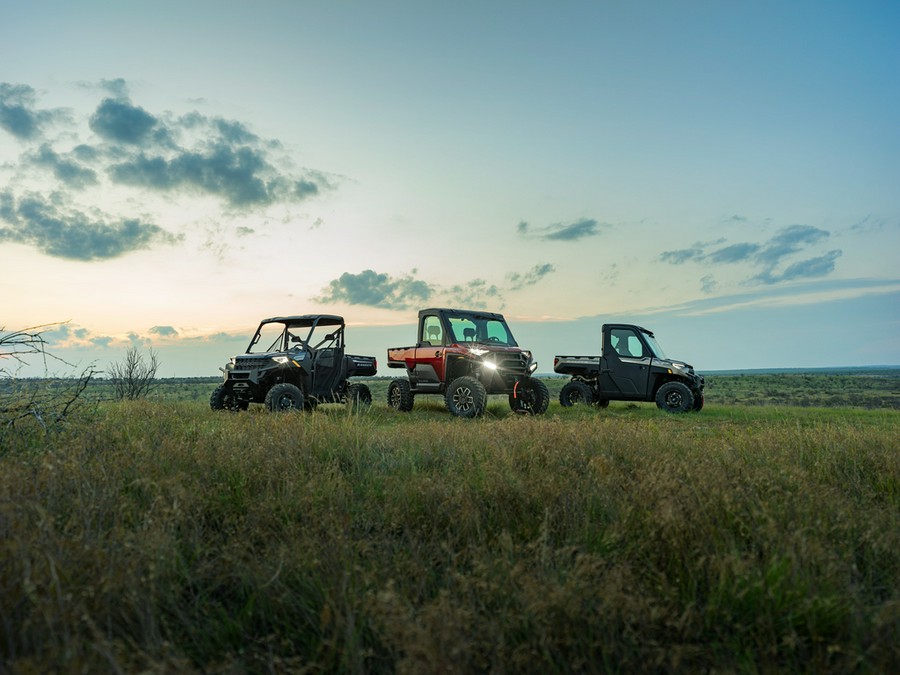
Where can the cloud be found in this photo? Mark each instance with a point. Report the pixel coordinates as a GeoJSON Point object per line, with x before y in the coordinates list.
{"type": "Point", "coordinates": [18, 115]}
{"type": "Point", "coordinates": [681, 256]}
{"type": "Point", "coordinates": [117, 87]}
{"type": "Point", "coordinates": [819, 266]}
{"type": "Point", "coordinates": [531, 277]}
{"type": "Point", "coordinates": [708, 284]}
{"type": "Point", "coordinates": [736, 219]}
{"type": "Point", "coordinates": [475, 294]}
{"type": "Point", "coordinates": [376, 290]}
{"type": "Point", "coordinates": [163, 331]}
{"type": "Point", "coordinates": [789, 241]}
{"type": "Point", "coordinates": [150, 152]}
{"type": "Point", "coordinates": [769, 255]}
{"type": "Point", "coordinates": [586, 227]}
{"type": "Point", "coordinates": [231, 173]}
{"type": "Point", "coordinates": [733, 253]}
{"type": "Point", "coordinates": [227, 161]}
{"type": "Point", "coordinates": [68, 171]}
{"type": "Point", "coordinates": [117, 120]}
{"type": "Point", "coordinates": [57, 229]}
{"type": "Point", "coordinates": [386, 292]}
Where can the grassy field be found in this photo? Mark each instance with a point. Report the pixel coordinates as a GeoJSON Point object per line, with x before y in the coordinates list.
{"type": "Point", "coordinates": [159, 536]}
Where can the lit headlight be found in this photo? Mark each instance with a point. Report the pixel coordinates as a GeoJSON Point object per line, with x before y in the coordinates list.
{"type": "Point", "coordinates": [281, 359]}
{"type": "Point", "coordinates": [490, 365]}
{"type": "Point", "coordinates": [476, 351]}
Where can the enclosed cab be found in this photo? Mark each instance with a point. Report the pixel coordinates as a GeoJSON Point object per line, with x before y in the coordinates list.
{"type": "Point", "coordinates": [295, 362]}
{"type": "Point", "coordinates": [631, 367]}
{"type": "Point", "coordinates": [465, 355]}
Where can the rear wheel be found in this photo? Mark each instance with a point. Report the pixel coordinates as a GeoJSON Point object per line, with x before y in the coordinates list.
{"type": "Point", "coordinates": [466, 397]}
{"type": "Point", "coordinates": [530, 396]}
{"type": "Point", "coordinates": [400, 396]}
{"type": "Point", "coordinates": [575, 393]}
{"type": "Point", "coordinates": [283, 397]}
{"type": "Point", "coordinates": [675, 397]}
{"type": "Point", "coordinates": [359, 397]}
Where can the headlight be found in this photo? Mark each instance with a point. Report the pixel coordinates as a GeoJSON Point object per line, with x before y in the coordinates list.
{"type": "Point", "coordinates": [281, 359]}
{"type": "Point", "coordinates": [531, 367]}
{"type": "Point", "coordinates": [476, 351]}
{"type": "Point", "coordinates": [490, 365]}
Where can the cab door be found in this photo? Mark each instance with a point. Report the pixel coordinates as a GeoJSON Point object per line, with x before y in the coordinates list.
{"type": "Point", "coordinates": [430, 353]}
{"type": "Point", "coordinates": [627, 372]}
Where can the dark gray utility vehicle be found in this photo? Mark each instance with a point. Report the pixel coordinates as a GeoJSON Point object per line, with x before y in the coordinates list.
{"type": "Point", "coordinates": [632, 367]}
{"type": "Point", "coordinates": [292, 363]}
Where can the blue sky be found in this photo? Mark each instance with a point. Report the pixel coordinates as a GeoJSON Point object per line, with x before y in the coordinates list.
{"type": "Point", "coordinates": [725, 174]}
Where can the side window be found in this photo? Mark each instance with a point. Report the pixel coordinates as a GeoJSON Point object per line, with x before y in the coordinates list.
{"type": "Point", "coordinates": [432, 333]}
{"type": "Point", "coordinates": [627, 344]}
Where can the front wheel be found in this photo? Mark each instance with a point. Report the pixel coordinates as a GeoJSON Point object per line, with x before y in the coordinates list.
{"type": "Point", "coordinates": [698, 402]}
{"type": "Point", "coordinates": [359, 397]}
{"type": "Point", "coordinates": [575, 393]}
{"type": "Point", "coordinates": [223, 398]}
{"type": "Point", "coordinates": [400, 396]}
{"type": "Point", "coordinates": [675, 397]}
{"type": "Point", "coordinates": [466, 397]}
{"type": "Point", "coordinates": [530, 396]}
{"type": "Point", "coordinates": [283, 397]}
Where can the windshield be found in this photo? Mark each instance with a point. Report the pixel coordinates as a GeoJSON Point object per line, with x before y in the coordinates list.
{"type": "Point", "coordinates": [654, 346]}
{"type": "Point", "coordinates": [271, 339]}
{"type": "Point", "coordinates": [475, 328]}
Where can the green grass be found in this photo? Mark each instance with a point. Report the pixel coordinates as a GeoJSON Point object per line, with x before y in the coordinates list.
{"type": "Point", "coordinates": [160, 536]}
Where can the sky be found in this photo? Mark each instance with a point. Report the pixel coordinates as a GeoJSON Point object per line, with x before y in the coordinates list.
{"type": "Point", "coordinates": [726, 174]}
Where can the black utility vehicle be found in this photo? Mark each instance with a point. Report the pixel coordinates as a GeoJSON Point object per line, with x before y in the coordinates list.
{"type": "Point", "coordinates": [632, 367]}
{"type": "Point", "coordinates": [295, 362]}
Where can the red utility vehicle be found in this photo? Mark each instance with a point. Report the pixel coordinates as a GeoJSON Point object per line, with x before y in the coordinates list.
{"type": "Point", "coordinates": [465, 355]}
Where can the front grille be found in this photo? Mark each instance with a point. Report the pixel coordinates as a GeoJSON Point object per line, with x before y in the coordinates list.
{"type": "Point", "coordinates": [514, 363]}
{"type": "Point", "coordinates": [251, 363]}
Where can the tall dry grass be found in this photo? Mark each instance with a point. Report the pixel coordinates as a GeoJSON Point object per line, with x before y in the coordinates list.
{"type": "Point", "coordinates": [164, 537]}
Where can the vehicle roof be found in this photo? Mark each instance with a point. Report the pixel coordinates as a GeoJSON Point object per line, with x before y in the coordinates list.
{"type": "Point", "coordinates": [451, 310]}
{"type": "Point", "coordinates": [307, 320]}
{"type": "Point", "coordinates": [627, 325]}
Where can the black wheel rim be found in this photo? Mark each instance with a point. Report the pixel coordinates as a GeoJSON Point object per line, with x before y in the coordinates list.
{"type": "Point", "coordinates": [463, 399]}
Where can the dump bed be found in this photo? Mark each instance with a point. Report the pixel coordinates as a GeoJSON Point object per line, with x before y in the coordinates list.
{"type": "Point", "coordinates": [398, 356]}
{"type": "Point", "coordinates": [361, 366]}
{"type": "Point", "coordinates": [585, 366]}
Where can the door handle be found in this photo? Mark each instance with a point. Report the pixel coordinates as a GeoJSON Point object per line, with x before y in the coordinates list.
{"type": "Point", "coordinates": [437, 353]}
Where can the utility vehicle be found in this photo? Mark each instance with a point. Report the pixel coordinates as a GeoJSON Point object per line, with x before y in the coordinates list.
{"type": "Point", "coordinates": [295, 363]}
{"type": "Point", "coordinates": [631, 367]}
{"type": "Point", "coordinates": [465, 355]}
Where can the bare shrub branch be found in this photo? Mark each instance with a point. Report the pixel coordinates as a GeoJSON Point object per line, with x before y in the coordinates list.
{"type": "Point", "coordinates": [48, 400]}
{"type": "Point", "coordinates": [18, 345]}
{"type": "Point", "coordinates": [133, 377]}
